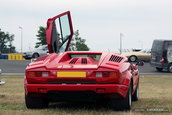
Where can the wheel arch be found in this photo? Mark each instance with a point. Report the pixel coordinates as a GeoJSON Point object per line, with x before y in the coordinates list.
{"type": "Point", "coordinates": [169, 67]}
{"type": "Point", "coordinates": [128, 79]}
{"type": "Point", "coordinates": [170, 63]}
{"type": "Point", "coordinates": [35, 53]}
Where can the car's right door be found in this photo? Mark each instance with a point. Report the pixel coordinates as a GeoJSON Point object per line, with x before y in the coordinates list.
{"type": "Point", "coordinates": [59, 32]}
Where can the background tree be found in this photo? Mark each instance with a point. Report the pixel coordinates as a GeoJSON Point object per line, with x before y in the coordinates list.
{"type": "Point", "coordinates": [41, 37]}
{"type": "Point", "coordinates": [6, 40]}
{"type": "Point", "coordinates": [77, 43]}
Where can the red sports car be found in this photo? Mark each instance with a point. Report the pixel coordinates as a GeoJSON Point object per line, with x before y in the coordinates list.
{"type": "Point", "coordinates": [77, 76]}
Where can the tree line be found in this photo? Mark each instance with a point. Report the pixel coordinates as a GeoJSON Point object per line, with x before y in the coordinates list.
{"type": "Point", "coordinates": [6, 41]}
{"type": "Point", "coordinates": [77, 43]}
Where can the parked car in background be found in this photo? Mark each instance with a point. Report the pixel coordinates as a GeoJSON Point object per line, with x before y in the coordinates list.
{"type": "Point", "coordinates": [78, 76]}
{"type": "Point", "coordinates": [161, 55]}
{"type": "Point", "coordinates": [144, 55]}
{"type": "Point", "coordinates": [37, 52]}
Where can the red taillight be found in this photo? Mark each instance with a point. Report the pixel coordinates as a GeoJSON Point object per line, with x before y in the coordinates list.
{"type": "Point", "coordinates": [99, 74]}
{"type": "Point", "coordinates": [162, 60]}
{"type": "Point", "coordinates": [38, 74]}
{"type": "Point", "coordinates": [106, 74]}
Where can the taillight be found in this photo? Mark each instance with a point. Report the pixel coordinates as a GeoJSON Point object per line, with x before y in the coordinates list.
{"type": "Point", "coordinates": [45, 74]}
{"type": "Point", "coordinates": [106, 74]}
{"type": "Point", "coordinates": [162, 60]}
{"type": "Point", "coordinates": [38, 74]}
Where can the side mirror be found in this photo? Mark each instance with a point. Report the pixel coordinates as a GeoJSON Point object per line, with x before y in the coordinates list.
{"type": "Point", "coordinates": [140, 63]}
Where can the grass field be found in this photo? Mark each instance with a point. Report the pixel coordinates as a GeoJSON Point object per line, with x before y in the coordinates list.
{"type": "Point", "coordinates": [155, 98]}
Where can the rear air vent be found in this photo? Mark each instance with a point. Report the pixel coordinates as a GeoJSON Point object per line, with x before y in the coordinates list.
{"type": "Point", "coordinates": [115, 58]}
{"type": "Point", "coordinates": [84, 61]}
{"type": "Point", "coordinates": [73, 61]}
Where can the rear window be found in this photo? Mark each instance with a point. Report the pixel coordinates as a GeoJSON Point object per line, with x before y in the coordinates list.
{"type": "Point", "coordinates": [167, 44]}
{"type": "Point", "coordinates": [157, 45]}
{"type": "Point", "coordinates": [94, 56]}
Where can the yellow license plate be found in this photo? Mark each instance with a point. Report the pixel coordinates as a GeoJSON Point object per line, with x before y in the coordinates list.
{"type": "Point", "coordinates": [71, 74]}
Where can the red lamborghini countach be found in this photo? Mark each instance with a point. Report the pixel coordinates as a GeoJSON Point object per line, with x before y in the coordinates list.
{"type": "Point", "coordinates": [75, 76]}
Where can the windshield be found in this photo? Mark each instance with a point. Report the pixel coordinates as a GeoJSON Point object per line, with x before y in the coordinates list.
{"type": "Point", "coordinates": [145, 51]}
{"type": "Point", "coordinates": [42, 47]}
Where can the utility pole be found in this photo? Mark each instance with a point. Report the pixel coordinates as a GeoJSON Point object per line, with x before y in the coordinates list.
{"type": "Point", "coordinates": [121, 43]}
{"type": "Point", "coordinates": [21, 38]}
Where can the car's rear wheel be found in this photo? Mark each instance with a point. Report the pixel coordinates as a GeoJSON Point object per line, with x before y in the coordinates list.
{"type": "Point", "coordinates": [135, 96]}
{"type": "Point", "coordinates": [132, 58]}
{"type": "Point", "coordinates": [35, 55]}
{"type": "Point", "coordinates": [35, 102]}
{"type": "Point", "coordinates": [122, 104]}
{"type": "Point", "coordinates": [159, 69]}
{"type": "Point", "coordinates": [170, 68]}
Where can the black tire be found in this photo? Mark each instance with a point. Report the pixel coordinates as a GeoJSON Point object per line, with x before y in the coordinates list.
{"type": "Point", "coordinates": [170, 68]}
{"type": "Point", "coordinates": [35, 55]}
{"type": "Point", "coordinates": [35, 102]}
{"type": "Point", "coordinates": [132, 58]}
{"type": "Point", "coordinates": [135, 96]}
{"type": "Point", "coordinates": [159, 69]}
{"type": "Point", "coordinates": [122, 104]}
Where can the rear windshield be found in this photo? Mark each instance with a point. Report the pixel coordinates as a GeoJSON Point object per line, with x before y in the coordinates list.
{"type": "Point", "coordinates": [94, 56]}
{"type": "Point", "coordinates": [167, 45]}
{"type": "Point", "coordinates": [157, 45]}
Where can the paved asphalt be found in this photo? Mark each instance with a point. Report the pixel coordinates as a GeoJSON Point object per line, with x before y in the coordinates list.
{"type": "Point", "coordinates": [15, 67]}
{"type": "Point", "coordinates": [148, 70]}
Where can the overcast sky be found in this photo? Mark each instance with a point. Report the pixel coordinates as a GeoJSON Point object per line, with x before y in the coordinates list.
{"type": "Point", "coordinates": [100, 22]}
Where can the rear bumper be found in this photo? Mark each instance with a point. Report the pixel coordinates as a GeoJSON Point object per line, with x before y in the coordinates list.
{"type": "Point", "coordinates": [159, 65]}
{"type": "Point", "coordinates": [117, 89]}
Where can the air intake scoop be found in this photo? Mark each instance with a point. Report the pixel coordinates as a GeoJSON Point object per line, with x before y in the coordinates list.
{"type": "Point", "coordinates": [82, 60]}
{"type": "Point", "coordinates": [116, 59]}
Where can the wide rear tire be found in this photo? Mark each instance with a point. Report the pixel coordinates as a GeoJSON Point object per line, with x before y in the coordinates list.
{"type": "Point", "coordinates": [122, 104]}
{"type": "Point", "coordinates": [135, 96]}
{"type": "Point", "coordinates": [35, 102]}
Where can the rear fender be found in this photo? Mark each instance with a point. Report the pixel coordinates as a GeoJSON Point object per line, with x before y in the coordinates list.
{"type": "Point", "coordinates": [25, 88]}
{"type": "Point", "coordinates": [127, 78]}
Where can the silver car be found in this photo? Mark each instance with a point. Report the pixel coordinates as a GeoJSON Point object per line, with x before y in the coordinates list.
{"type": "Point", "coordinates": [37, 52]}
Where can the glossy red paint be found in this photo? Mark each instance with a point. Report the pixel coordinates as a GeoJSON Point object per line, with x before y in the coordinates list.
{"type": "Point", "coordinates": [61, 62]}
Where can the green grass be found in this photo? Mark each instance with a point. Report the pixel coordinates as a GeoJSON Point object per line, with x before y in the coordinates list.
{"type": "Point", "coordinates": [155, 95]}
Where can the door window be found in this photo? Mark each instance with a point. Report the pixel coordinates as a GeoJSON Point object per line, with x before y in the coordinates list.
{"type": "Point", "coordinates": [59, 32]}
